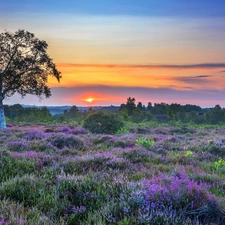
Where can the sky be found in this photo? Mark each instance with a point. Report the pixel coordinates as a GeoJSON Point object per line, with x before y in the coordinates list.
{"type": "Point", "coordinates": [168, 51]}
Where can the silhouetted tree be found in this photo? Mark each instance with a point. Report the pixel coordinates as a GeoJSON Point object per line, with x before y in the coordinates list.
{"type": "Point", "coordinates": [24, 67]}
{"type": "Point", "coordinates": [130, 105]}
{"type": "Point", "coordinates": [160, 108]}
{"type": "Point", "coordinates": [122, 107]}
{"type": "Point", "coordinates": [192, 108]}
{"type": "Point", "coordinates": [140, 106]}
{"type": "Point", "coordinates": [149, 106]}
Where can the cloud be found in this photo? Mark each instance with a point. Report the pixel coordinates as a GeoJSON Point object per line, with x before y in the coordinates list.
{"type": "Point", "coordinates": [193, 79]}
{"type": "Point", "coordinates": [150, 66]}
{"type": "Point", "coordinates": [203, 76]}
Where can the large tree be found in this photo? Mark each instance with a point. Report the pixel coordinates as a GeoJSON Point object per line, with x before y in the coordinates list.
{"type": "Point", "coordinates": [24, 67]}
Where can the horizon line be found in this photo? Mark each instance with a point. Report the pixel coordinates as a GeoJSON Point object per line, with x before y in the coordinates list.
{"type": "Point", "coordinates": [106, 105]}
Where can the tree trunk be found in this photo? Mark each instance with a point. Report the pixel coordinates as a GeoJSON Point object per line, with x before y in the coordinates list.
{"type": "Point", "coordinates": [2, 117]}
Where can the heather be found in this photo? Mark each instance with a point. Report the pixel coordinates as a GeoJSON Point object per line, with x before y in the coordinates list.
{"type": "Point", "coordinates": [142, 174]}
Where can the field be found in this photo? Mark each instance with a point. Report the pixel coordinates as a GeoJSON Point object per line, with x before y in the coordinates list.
{"type": "Point", "coordinates": [53, 174]}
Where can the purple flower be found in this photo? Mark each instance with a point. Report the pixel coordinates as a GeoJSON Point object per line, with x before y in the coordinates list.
{"type": "Point", "coordinates": [80, 130]}
{"type": "Point", "coordinates": [178, 189]}
{"type": "Point", "coordinates": [35, 135]}
{"type": "Point", "coordinates": [17, 145]}
{"type": "Point", "coordinates": [2, 221]}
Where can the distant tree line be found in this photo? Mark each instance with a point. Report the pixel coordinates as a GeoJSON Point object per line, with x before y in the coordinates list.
{"type": "Point", "coordinates": [129, 112]}
{"type": "Point", "coordinates": [162, 112]}
{"type": "Point", "coordinates": [16, 113]}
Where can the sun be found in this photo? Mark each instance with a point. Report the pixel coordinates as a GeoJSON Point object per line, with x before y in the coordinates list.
{"type": "Point", "coordinates": [89, 100]}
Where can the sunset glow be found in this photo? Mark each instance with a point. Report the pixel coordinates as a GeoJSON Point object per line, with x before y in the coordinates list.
{"type": "Point", "coordinates": [89, 100]}
{"type": "Point", "coordinates": [107, 51]}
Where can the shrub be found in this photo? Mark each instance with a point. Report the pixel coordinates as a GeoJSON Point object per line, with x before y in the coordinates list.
{"type": "Point", "coordinates": [100, 122]}
{"type": "Point", "coordinates": [147, 143]}
{"type": "Point", "coordinates": [179, 190]}
{"type": "Point", "coordinates": [25, 190]}
{"type": "Point", "coordinates": [16, 214]}
{"type": "Point", "coordinates": [219, 164]}
{"type": "Point", "coordinates": [79, 194]}
{"type": "Point", "coordinates": [31, 191]}
{"type": "Point", "coordinates": [83, 196]}
{"type": "Point", "coordinates": [79, 130]}
{"type": "Point", "coordinates": [17, 145]}
{"type": "Point", "coordinates": [188, 154]}
{"type": "Point", "coordinates": [61, 140]}
{"type": "Point", "coordinates": [40, 146]}
{"type": "Point", "coordinates": [34, 135]}
{"type": "Point", "coordinates": [11, 167]}
{"type": "Point", "coordinates": [108, 140]}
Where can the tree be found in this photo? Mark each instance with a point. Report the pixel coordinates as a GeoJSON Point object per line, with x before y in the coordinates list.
{"type": "Point", "coordinates": [216, 115]}
{"type": "Point", "coordinates": [140, 106]}
{"type": "Point", "coordinates": [138, 115]}
{"type": "Point", "coordinates": [159, 108]}
{"type": "Point", "coordinates": [149, 106]}
{"type": "Point", "coordinates": [14, 111]}
{"type": "Point", "coordinates": [73, 114]}
{"type": "Point", "coordinates": [170, 114]}
{"type": "Point", "coordinates": [130, 105]}
{"type": "Point", "coordinates": [24, 67]}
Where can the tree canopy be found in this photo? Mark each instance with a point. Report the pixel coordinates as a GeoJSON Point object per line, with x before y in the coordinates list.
{"type": "Point", "coordinates": [24, 66]}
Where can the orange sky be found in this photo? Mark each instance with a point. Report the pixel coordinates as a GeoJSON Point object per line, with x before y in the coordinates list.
{"type": "Point", "coordinates": [200, 78]}
{"type": "Point", "coordinates": [181, 77]}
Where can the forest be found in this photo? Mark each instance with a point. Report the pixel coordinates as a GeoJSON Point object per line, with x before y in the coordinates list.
{"type": "Point", "coordinates": [128, 112]}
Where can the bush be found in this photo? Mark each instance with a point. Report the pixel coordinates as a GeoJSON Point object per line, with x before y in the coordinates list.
{"type": "Point", "coordinates": [147, 143]}
{"type": "Point", "coordinates": [219, 164]}
{"type": "Point", "coordinates": [34, 135]}
{"type": "Point", "coordinates": [14, 213]}
{"type": "Point", "coordinates": [17, 145]}
{"type": "Point", "coordinates": [26, 190]}
{"type": "Point", "coordinates": [31, 191]}
{"type": "Point", "coordinates": [100, 122]}
{"type": "Point", "coordinates": [11, 167]}
{"type": "Point", "coordinates": [70, 141]}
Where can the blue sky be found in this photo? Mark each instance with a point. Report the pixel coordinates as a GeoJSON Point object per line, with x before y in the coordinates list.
{"type": "Point", "coordinates": [190, 8]}
{"type": "Point", "coordinates": [115, 38]}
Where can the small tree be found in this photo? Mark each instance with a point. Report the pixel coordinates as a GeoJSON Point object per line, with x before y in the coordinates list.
{"type": "Point", "coordinates": [24, 67]}
{"type": "Point", "coordinates": [149, 106]}
{"type": "Point", "coordinates": [130, 105]}
{"type": "Point", "coordinates": [73, 114]}
{"type": "Point", "coordinates": [140, 106]}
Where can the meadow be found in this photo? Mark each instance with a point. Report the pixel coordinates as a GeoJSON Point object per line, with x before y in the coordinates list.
{"type": "Point", "coordinates": [142, 175]}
